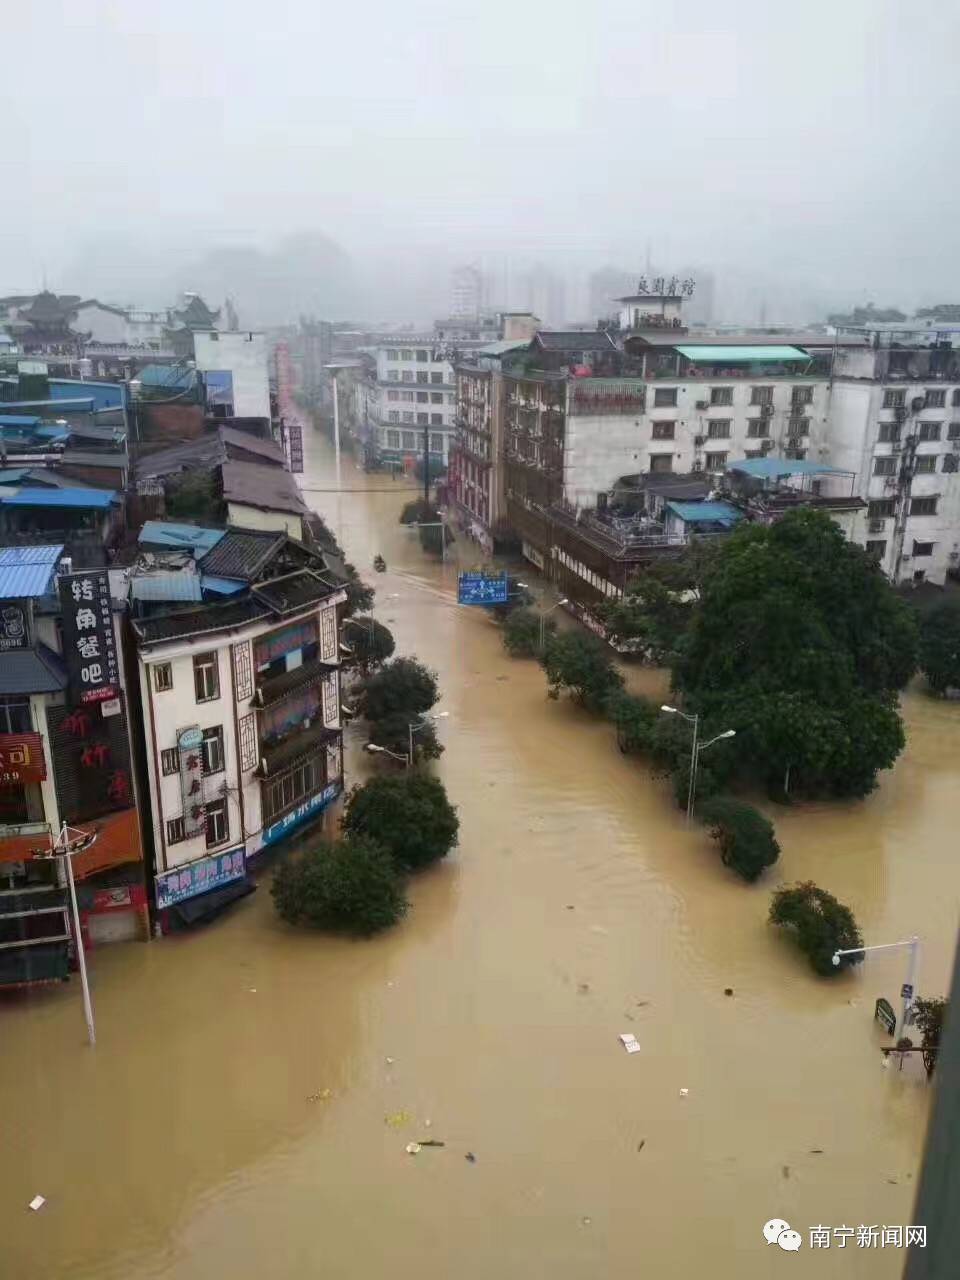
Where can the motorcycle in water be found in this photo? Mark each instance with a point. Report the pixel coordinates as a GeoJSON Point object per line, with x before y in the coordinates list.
{"type": "Point", "coordinates": [379, 564]}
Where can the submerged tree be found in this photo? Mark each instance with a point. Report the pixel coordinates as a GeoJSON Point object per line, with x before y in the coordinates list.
{"type": "Point", "coordinates": [580, 662]}
{"type": "Point", "coordinates": [410, 816]}
{"type": "Point", "coordinates": [822, 926]}
{"type": "Point", "coordinates": [372, 643]}
{"type": "Point", "coordinates": [748, 844]}
{"type": "Point", "coordinates": [940, 647]}
{"type": "Point", "coordinates": [350, 886]}
{"type": "Point", "coordinates": [402, 687]}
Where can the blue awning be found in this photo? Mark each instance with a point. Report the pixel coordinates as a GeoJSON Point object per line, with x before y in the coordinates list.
{"type": "Point", "coordinates": [773, 468]}
{"type": "Point", "coordinates": [705, 512]}
{"type": "Point", "coordinates": [742, 355]}
{"type": "Point", "coordinates": [83, 499]}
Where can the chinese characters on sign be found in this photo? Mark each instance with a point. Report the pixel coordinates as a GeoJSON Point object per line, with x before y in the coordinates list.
{"type": "Point", "coordinates": [295, 446]}
{"type": "Point", "coordinates": [21, 758]}
{"type": "Point", "coordinates": [199, 877]}
{"type": "Point", "coordinates": [478, 588]}
{"type": "Point", "coordinates": [88, 640]}
{"type": "Point", "coordinates": [667, 286]}
{"type": "Point", "coordinates": [189, 747]}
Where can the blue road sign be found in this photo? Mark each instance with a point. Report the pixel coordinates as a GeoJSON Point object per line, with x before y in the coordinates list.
{"type": "Point", "coordinates": [480, 588]}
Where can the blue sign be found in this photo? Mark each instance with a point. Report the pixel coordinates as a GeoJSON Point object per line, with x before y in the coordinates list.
{"type": "Point", "coordinates": [199, 877]}
{"type": "Point", "coordinates": [480, 588]}
{"type": "Point", "coordinates": [302, 812]}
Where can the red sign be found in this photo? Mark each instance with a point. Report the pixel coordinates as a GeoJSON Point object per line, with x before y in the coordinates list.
{"type": "Point", "coordinates": [21, 758]}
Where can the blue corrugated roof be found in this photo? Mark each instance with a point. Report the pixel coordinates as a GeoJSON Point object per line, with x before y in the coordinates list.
{"type": "Point", "coordinates": [37, 670]}
{"type": "Point", "coordinates": [222, 586]}
{"type": "Point", "coordinates": [704, 512]}
{"type": "Point", "coordinates": [49, 554]}
{"type": "Point", "coordinates": [179, 537]}
{"type": "Point", "coordinates": [772, 468]}
{"type": "Point", "coordinates": [173, 377]}
{"type": "Point", "coordinates": [84, 499]}
{"type": "Point", "coordinates": [735, 355]}
{"type": "Point", "coordinates": [17, 420]}
{"type": "Point", "coordinates": [52, 433]}
{"type": "Point", "coordinates": [166, 586]}
{"type": "Point", "coordinates": [26, 572]}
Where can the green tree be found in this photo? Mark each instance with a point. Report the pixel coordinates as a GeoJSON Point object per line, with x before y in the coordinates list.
{"type": "Point", "coordinates": [521, 632]}
{"type": "Point", "coordinates": [580, 662]}
{"type": "Point", "coordinates": [822, 926]}
{"type": "Point", "coordinates": [658, 605]}
{"type": "Point", "coordinates": [930, 1016]}
{"type": "Point", "coordinates": [748, 843]}
{"type": "Point", "coordinates": [393, 733]}
{"type": "Point", "coordinates": [409, 815]}
{"type": "Point", "coordinates": [350, 886]}
{"type": "Point", "coordinates": [193, 497]}
{"type": "Point", "coordinates": [800, 644]}
{"type": "Point", "coordinates": [360, 596]}
{"type": "Point", "coordinates": [418, 510]}
{"type": "Point", "coordinates": [402, 687]}
{"type": "Point", "coordinates": [634, 720]}
{"type": "Point", "coordinates": [372, 643]}
{"type": "Point", "coordinates": [940, 646]}
{"type": "Point", "coordinates": [518, 597]}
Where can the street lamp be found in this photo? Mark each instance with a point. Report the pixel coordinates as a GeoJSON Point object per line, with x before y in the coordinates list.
{"type": "Point", "coordinates": [416, 725]}
{"type": "Point", "coordinates": [377, 750]}
{"type": "Point", "coordinates": [543, 620]}
{"type": "Point", "coordinates": [695, 750]}
{"type": "Point", "coordinates": [68, 843]}
{"type": "Point", "coordinates": [908, 989]}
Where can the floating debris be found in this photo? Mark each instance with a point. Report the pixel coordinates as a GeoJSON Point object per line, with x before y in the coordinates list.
{"type": "Point", "coordinates": [641, 1144]}
{"type": "Point", "coordinates": [471, 1157]}
{"type": "Point", "coordinates": [37, 1203]}
{"type": "Point", "coordinates": [412, 1148]}
{"type": "Point", "coordinates": [398, 1119]}
{"type": "Point", "coordinates": [684, 1093]}
{"type": "Point", "coordinates": [728, 991]}
{"type": "Point", "coordinates": [323, 1096]}
{"type": "Point", "coordinates": [629, 1042]}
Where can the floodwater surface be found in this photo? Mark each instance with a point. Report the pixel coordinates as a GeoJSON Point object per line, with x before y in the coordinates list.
{"type": "Point", "coordinates": [247, 1107]}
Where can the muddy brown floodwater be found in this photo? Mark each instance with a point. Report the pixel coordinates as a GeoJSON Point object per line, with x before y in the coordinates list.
{"type": "Point", "coordinates": [577, 906]}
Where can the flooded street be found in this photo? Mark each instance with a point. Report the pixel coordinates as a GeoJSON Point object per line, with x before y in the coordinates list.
{"type": "Point", "coordinates": [576, 907]}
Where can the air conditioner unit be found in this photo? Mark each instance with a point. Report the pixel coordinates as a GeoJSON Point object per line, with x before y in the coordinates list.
{"type": "Point", "coordinates": [916, 404]}
{"type": "Point", "coordinates": [766, 411]}
{"type": "Point", "coordinates": [702, 404]}
{"type": "Point", "coordinates": [766, 446]}
{"type": "Point", "coordinates": [955, 446]}
{"type": "Point", "coordinates": [876, 526]}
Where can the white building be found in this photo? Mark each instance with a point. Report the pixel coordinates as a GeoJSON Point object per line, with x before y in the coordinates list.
{"type": "Point", "coordinates": [240, 359]}
{"type": "Point", "coordinates": [466, 292]}
{"type": "Point", "coordinates": [240, 712]}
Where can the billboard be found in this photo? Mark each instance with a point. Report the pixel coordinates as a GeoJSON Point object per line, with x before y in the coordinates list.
{"type": "Point", "coordinates": [199, 877]}
{"type": "Point", "coordinates": [13, 628]}
{"type": "Point", "coordinates": [89, 648]}
{"type": "Point", "coordinates": [21, 758]}
{"type": "Point", "coordinates": [482, 588]}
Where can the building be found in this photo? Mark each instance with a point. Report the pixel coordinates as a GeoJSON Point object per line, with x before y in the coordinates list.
{"type": "Point", "coordinates": [259, 496]}
{"type": "Point", "coordinates": [65, 759]}
{"type": "Point", "coordinates": [235, 369]}
{"type": "Point", "coordinates": [239, 703]}
{"type": "Point", "coordinates": [466, 292]}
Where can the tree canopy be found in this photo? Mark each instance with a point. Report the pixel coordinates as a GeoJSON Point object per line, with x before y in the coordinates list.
{"type": "Point", "coordinates": [372, 643]}
{"type": "Point", "coordinates": [940, 646]}
{"type": "Point", "coordinates": [410, 816]}
{"type": "Point", "coordinates": [521, 632]}
{"type": "Point", "coordinates": [402, 687]}
{"type": "Point", "coordinates": [580, 662]}
{"type": "Point", "coordinates": [748, 844]}
{"type": "Point", "coordinates": [800, 644]}
{"type": "Point", "coordinates": [393, 733]}
{"type": "Point", "coordinates": [350, 886]}
{"type": "Point", "coordinates": [821, 925]}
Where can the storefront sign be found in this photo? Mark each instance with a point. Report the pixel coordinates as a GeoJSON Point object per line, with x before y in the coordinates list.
{"type": "Point", "coordinates": [88, 641]}
{"type": "Point", "coordinates": [13, 628]}
{"type": "Point", "coordinates": [295, 446]}
{"type": "Point", "coordinates": [21, 758]}
{"type": "Point", "coordinates": [199, 877]}
{"type": "Point", "coordinates": [189, 744]}
{"type": "Point", "coordinates": [301, 813]}
{"type": "Point", "coordinates": [534, 556]}
{"type": "Point", "coordinates": [480, 588]}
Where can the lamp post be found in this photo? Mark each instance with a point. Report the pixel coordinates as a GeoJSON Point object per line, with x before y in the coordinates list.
{"type": "Point", "coordinates": [375, 749]}
{"type": "Point", "coordinates": [908, 990]}
{"type": "Point", "coordinates": [695, 750]}
{"type": "Point", "coordinates": [436, 524]}
{"type": "Point", "coordinates": [415, 726]}
{"type": "Point", "coordinates": [69, 842]}
{"type": "Point", "coordinates": [543, 620]}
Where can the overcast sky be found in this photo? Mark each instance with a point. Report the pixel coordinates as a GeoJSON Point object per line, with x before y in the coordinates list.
{"type": "Point", "coordinates": [809, 143]}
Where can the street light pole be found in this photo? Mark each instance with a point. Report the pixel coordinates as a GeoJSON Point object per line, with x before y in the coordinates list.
{"type": "Point", "coordinates": [375, 749]}
{"type": "Point", "coordinates": [81, 840]}
{"type": "Point", "coordinates": [908, 991]}
{"type": "Point", "coordinates": [414, 726]}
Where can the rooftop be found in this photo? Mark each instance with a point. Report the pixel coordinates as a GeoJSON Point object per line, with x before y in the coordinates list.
{"type": "Point", "coordinates": [81, 499]}
{"type": "Point", "coordinates": [574, 340]}
{"type": "Point", "coordinates": [774, 468]}
{"type": "Point", "coordinates": [208, 620]}
{"type": "Point", "coordinates": [170, 536]}
{"type": "Point", "coordinates": [241, 553]}
{"type": "Point", "coordinates": [293, 591]}
{"type": "Point", "coordinates": [27, 572]}
{"type": "Point", "coordinates": [37, 670]}
{"type": "Point", "coordinates": [705, 512]}
{"type": "Point", "coordinates": [266, 488]}
{"type": "Point", "coordinates": [733, 354]}
{"type": "Point", "coordinates": [269, 450]}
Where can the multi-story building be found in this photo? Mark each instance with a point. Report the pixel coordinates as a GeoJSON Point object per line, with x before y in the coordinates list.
{"type": "Point", "coordinates": [239, 702]}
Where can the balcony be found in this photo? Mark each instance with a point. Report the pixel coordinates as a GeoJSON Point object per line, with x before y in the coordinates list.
{"type": "Point", "coordinates": [274, 690]}
{"type": "Point", "coordinates": [299, 746]}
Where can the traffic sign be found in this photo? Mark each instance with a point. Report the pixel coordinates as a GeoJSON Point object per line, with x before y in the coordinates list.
{"type": "Point", "coordinates": [906, 991]}
{"type": "Point", "coordinates": [481, 588]}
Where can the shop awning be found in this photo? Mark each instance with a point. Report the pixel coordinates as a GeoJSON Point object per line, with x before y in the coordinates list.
{"type": "Point", "coordinates": [207, 905]}
{"type": "Point", "coordinates": [742, 355]}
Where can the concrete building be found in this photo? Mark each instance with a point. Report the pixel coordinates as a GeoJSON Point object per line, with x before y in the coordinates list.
{"type": "Point", "coordinates": [239, 703]}
{"type": "Point", "coordinates": [235, 368]}
{"type": "Point", "coordinates": [466, 292]}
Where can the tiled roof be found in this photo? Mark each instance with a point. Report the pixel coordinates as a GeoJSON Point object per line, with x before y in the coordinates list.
{"type": "Point", "coordinates": [84, 499]}
{"type": "Point", "coordinates": [196, 622]}
{"type": "Point", "coordinates": [267, 488]}
{"type": "Point", "coordinates": [37, 670]}
{"type": "Point", "coordinates": [575, 340]}
{"type": "Point", "coordinates": [293, 591]}
{"type": "Point", "coordinates": [241, 553]}
{"type": "Point", "coordinates": [268, 450]}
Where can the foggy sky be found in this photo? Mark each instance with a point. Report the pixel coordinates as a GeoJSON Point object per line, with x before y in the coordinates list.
{"type": "Point", "coordinates": [801, 152]}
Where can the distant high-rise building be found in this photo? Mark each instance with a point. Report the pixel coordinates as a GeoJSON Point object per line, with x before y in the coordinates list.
{"type": "Point", "coordinates": [466, 292]}
{"type": "Point", "coordinates": [542, 292]}
{"type": "Point", "coordinates": [604, 287]}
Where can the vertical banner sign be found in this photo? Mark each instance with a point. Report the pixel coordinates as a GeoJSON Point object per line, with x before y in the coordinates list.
{"type": "Point", "coordinates": [88, 641]}
{"type": "Point", "coordinates": [190, 748]}
{"type": "Point", "coordinates": [295, 443]}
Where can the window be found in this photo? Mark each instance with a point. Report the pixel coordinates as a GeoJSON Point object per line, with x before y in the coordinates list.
{"type": "Point", "coordinates": [949, 462]}
{"type": "Point", "coordinates": [436, 419]}
{"type": "Point", "coordinates": [451, 399]}
{"type": "Point", "coordinates": [15, 715]}
{"type": "Point", "coordinates": [290, 788]}
{"type": "Point", "coordinates": [880, 507]}
{"type": "Point", "coordinates": [935, 399]}
{"type": "Point", "coordinates": [761, 395]}
{"type": "Point", "coordinates": [206, 677]}
{"type": "Point", "coordinates": [923, 507]}
{"type": "Point", "coordinates": [162, 677]}
{"type": "Point", "coordinates": [393, 416]}
{"type": "Point", "coordinates": [393, 439]}
{"type": "Point", "coordinates": [719, 429]}
{"type": "Point", "coordinates": [406, 417]}
{"type": "Point", "coordinates": [664, 430]}
{"type": "Point", "coordinates": [754, 453]}
{"type": "Point", "coordinates": [423, 397]}
{"type": "Point", "coordinates": [955, 398]}
{"type": "Point", "coordinates": [953, 431]}
{"type": "Point", "coordinates": [664, 396]}
{"type": "Point", "coordinates": [406, 376]}
{"type": "Point", "coordinates": [437, 379]}
{"type": "Point", "coordinates": [393, 395]}
{"type": "Point", "coordinates": [406, 397]}
{"type": "Point", "coordinates": [212, 749]}
{"type": "Point", "coordinates": [894, 399]}
{"type": "Point", "coordinates": [423, 377]}
{"type": "Point", "coordinates": [423, 356]}
{"type": "Point", "coordinates": [923, 548]}
{"type": "Point", "coordinates": [175, 831]}
{"type": "Point", "coordinates": [721, 395]}
{"type": "Point", "coordinates": [877, 548]}
{"type": "Point", "coordinates": [716, 461]}
{"type": "Point", "coordinates": [798, 427]}
{"type": "Point", "coordinates": [884, 466]}
{"type": "Point", "coordinates": [930, 430]}
{"type": "Point", "coordinates": [405, 354]}
{"type": "Point", "coordinates": [392, 355]}
{"type": "Point", "coordinates": [169, 761]}
{"type": "Point", "coordinates": [409, 440]}
{"type": "Point", "coordinates": [436, 397]}
{"type": "Point", "coordinates": [757, 427]}
{"type": "Point", "coordinates": [436, 443]}
{"type": "Point", "coordinates": [422, 419]}
{"type": "Point", "coordinates": [889, 432]}
{"type": "Point", "coordinates": [393, 375]}
{"type": "Point", "coordinates": [661, 462]}
{"type": "Point", "coordinates": [926, 464]}
{"type": "Point", "coordinates": [218, 828]}
{"type": "Point", "coordinates": [801, 396]}
{"type": "Point", "coordinates": [797, 454]}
